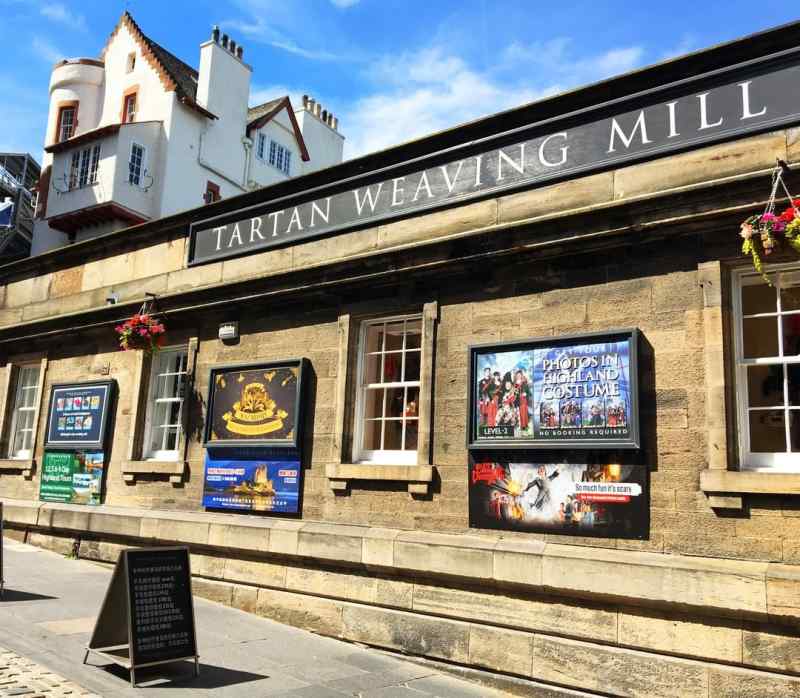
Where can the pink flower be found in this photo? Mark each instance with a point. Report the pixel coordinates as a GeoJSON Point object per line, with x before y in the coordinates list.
{"type": "Point", "coordinates": [768, 218]}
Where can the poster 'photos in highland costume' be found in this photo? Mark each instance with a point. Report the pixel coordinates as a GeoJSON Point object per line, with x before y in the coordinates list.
{"type": "Point", "coordinates": [571, 392]}
{"type": "Point", "coordinates": [600, 499]}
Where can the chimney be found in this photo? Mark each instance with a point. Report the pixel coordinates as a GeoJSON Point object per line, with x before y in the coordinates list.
{"type": "Point", "coordinates": [335, 123]}
{"type": "Point", "coordinates": [317, 109]}
{"type": "Point", "coordinates": [223, 81]}
{"type": "Point", "coordinates": [305, 101]}
{"type": "Point", "coordinates": [325, 115]}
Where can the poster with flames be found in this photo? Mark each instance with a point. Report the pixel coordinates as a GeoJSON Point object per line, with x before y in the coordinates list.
{"type": "Point", "coordinates": [581, 499]}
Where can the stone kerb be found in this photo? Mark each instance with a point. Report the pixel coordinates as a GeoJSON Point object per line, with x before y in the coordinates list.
{"type": "Point", "coordinates": [757, 590]}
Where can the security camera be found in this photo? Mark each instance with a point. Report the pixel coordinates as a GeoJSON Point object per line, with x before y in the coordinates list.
{"type": "Point", "coordinates": [112, 299]}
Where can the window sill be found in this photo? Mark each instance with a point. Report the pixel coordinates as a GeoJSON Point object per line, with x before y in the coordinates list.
{"type": "Point", "coordinates": [726, 487]}
{"type": "Point", "coordinates": [174, 469]}
{"type": "Point", "coordinates": [418, 477]}
{"type": "Point", "coordinates": [24, 465]}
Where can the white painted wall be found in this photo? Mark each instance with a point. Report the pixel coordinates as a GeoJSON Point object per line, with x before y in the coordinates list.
{"type": "Point", "coordinates": [325, 145]}
{"type": "Point", "coordinates": [185, 149]}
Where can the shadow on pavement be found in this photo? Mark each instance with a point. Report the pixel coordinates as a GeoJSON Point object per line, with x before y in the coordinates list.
{"type": "Point", "coordinates": [179, 674]}
{"type": "Point", "coordinates": [14, 595]}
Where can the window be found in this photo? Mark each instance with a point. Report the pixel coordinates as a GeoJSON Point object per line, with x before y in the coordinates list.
{"type": "Point", "coordinates": [387, 403]}
{"type": "Point", "coordinates": [279, 156]}
{"type": "Point", "coordinates": [23, 418]}
{"type": "Point", "coordinates": [165, 404]}
{"type": "Point", "coordinates": [82, 169]}
{"type": "Point", "coordinates": [129, 108]}
{"type": "Point", "coordinates": [261, 145]}
{"type": "Point", "coordinates": [136, 164]}
{"type": "Point", "coordinates": [767, 345]}
{"type": "Point", "coordinates": [66, 123]}
{"type": "Point", "coordinates": [131, 63]}
{"type": "Point", "coordinates": [212, 193]}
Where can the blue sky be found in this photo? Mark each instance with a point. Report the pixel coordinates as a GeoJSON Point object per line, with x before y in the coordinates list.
{"type": "Point", "coordinates": [391, 70]}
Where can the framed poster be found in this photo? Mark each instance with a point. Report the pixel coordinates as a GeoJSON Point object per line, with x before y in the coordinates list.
{"type": "Point", "coordinates": [607, 500]}
{"type": "Point", "coordinates": [256, 405]}
{"type": "Point", "coordinates": [579, 391]}
{"type": "Point", "coordinates": [78, 415]}
{"type": "Point", "coordinates": [269, 485]}
{"type": "Point", "coordinates": [72, 477]}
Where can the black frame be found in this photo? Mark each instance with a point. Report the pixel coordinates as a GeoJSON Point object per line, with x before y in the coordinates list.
{"type": "Point", "coordinates": [104, 420]}
{"type": "Point", "coordinates": [633, 442]}
{"type": "Point", "coordinates": [302, 364]}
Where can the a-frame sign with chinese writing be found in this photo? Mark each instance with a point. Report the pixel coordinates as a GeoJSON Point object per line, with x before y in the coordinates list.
{"type": "Point", "coordinates": [147, 617]}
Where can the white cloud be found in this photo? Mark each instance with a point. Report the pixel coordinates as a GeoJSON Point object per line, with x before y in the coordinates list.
{"type": "Point", "coordinates": [260, 31]}
{"type": "Point", "coordinates": [342, 4]}
{"type": "Point", "coordinates": [46, 50]}
{"type": "Point", "coordinates": [57, 12]}
{"type": "Point", "coordinates": [429, 91]}
{"type": "Point", "coordinates": [422, 92]}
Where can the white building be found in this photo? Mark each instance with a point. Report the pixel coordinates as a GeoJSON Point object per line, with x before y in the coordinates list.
{"type": "Point", "coordinates": [138, 134]}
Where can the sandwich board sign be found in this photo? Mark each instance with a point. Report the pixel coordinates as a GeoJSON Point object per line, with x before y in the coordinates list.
{"type": "Point", "coordinates": [147, 617]}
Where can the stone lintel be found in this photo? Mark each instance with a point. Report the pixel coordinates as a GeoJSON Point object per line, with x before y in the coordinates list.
{"type": "Point", "coordinates": [24, 466]}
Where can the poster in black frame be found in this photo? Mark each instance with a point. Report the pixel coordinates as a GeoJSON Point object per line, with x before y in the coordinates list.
{"type": "Point", "coordinates": [573, 391]}
{"type": "Point", "coordinates": [79, 414]}
{"type": "Point", "coordinates": [258, 404]}
{"type": "Point", "coordinates": [586, 495]}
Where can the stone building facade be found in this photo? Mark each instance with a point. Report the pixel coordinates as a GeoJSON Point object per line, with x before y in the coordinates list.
{"type": "Point", "coordinates": [382, 552]}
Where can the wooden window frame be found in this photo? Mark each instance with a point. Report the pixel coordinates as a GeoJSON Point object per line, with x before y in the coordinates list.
{"type": "Point", "coordinates": [9, 375]}
{"type": "Point", "coordinates": [131, 92]}
{"type": "Point", "coordinates": [213, 189]}
{"type": "Point", "coordinates": [785, 462]}
{"type": "Point", "coordinates": [60, 108]}
{"type": "Point", "coordinates": [137, 464]}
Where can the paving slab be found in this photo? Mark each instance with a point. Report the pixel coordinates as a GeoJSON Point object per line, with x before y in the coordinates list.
{"type": "Point", "coordinates": [48, 612]}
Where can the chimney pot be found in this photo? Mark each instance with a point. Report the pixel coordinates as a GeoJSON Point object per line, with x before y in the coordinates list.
{"type": "Point", "coordinates": [224, 41]}
{"type": "Point", "coordinates": [215, 34]}
{"type": "Point", "coordinates": [305, 101]}
{"type": "Point", "coordinates": [311, 102]}
{"type": "Point", "coordinates": [239, 51]}
{"type": "Point", "coordinates": [325, 115]}
{"type": "Point", "coordinates": [317, 109]}
{"type": "Point", "coordinates": [335, 124]}
{"type": "Point", "coordinates": [232, 47]}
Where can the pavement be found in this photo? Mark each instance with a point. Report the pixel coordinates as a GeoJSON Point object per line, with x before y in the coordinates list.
{"type": "Point", "coordinates": [47, 615]}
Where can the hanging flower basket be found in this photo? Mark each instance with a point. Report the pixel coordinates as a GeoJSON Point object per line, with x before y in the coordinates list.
{"type": "Point", "coordinates": [145, 331]}
{"type": "Point", "coordinates": [770, 231]}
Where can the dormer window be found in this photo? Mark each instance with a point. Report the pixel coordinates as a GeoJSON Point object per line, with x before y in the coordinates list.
{"type": "Point", "coordinates": [131, 63]}
{"type": "Point", "coordinates": [129, 109]}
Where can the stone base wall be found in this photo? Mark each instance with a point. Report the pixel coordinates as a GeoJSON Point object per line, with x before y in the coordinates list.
{"type": "Point", "coordinates": [677, 627]}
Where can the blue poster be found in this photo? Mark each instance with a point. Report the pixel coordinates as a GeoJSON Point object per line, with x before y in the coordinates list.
{"type": "Point", "coordinates": [257, 484]}
{"type": "Point", "coordinates": [78, 415]}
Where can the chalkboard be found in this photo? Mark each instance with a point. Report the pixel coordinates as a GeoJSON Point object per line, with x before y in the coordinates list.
{"type": "Point", "coordinates": [147, 617]}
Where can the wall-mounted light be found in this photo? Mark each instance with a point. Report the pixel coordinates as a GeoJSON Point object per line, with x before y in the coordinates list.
{"type": "Point", "coordinates": [229, 330]}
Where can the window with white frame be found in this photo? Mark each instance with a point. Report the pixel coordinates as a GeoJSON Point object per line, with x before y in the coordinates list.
{"type": "Point", "coordinates": [280, 157]}
{"type": "Point", "coordinates": [82, 168]}
{"type": "Point", "coordinates": [767, 345]}
{"type": "Point", "coordinates": [261, 146]}
{"type": "Point", "coordinates": [66, 123]}
{"type": "Point", "coordinates": [136, 164]}
{"type": "Point", "coordinates": [24, 412]}
{"type": "Point", "coordinates": [387, 402]}
{"type": "Point", "coordinates": [165, 404]}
